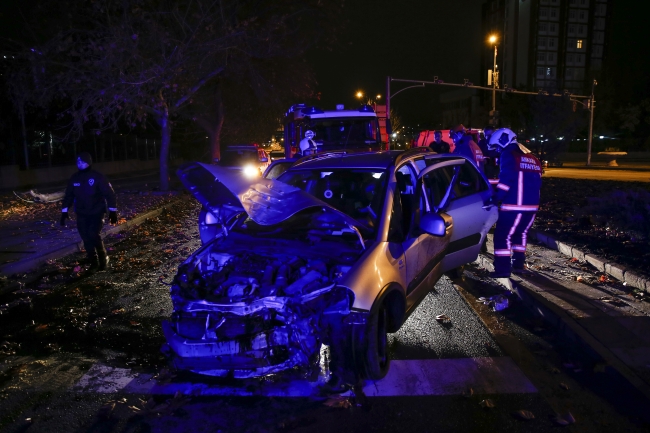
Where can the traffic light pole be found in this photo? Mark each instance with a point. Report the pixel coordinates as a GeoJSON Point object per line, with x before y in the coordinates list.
{"type": "Point", "coordinates": [589, 104]}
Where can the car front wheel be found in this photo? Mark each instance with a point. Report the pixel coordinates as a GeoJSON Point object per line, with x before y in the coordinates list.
{"type": "Point", "coordinates": [377, 361]}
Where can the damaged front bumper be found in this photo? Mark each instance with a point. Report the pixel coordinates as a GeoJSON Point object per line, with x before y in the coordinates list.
{"type": "Point", "coordinates": [251, 339]}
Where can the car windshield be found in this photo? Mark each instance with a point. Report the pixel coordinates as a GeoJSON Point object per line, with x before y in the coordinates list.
{"type": "Point", "coordinates": [358, 193]}
{"type": "Point", "coordinates": [344, 132]}
{"type": "Point", "coordinates": [238, 157]}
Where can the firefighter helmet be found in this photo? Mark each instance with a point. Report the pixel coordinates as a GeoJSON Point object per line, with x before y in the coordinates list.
{"type": "Point", "coordinates": [501, 138]}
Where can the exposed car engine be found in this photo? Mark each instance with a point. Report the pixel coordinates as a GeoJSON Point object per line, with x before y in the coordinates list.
{"type": "Point", "coordinates": [249, 314]}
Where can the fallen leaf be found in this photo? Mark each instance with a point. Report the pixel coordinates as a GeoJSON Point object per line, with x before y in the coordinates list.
{"type": "Point", "coordinates": [468, 393]}
{"type": "Point", "coordinates": [106, 410]}
{"type": "Point", "coordinates": [342, 402]}
{"type": "Point", "coordinates": [579, 278]}
{"type": "Point", "coordinates": [526, 415]}
{"type": "Point", "coordinates": [443, 318]}
{"type": "Point", "coordinates": [487, 403]}
{"type": "Point", "coordinates": [564, 386]}
{"type": "Point", "coordinates": [603, 279]}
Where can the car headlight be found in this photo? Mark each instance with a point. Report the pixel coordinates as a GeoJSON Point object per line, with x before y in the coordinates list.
{"type": "Point", "coordinates": [251, 171]}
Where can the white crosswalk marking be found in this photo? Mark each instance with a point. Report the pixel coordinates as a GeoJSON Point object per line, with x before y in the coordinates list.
{"type": "Point", "coordinates": [498, 375]}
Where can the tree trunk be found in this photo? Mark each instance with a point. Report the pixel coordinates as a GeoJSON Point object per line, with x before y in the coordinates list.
{"type": "Point", "coordinates": [215, 131]}
{"type": "Point", "coordinates": [166, 135]}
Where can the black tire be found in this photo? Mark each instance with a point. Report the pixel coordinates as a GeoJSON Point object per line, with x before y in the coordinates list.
{"type": "Point", "coordinates": [377, 361]}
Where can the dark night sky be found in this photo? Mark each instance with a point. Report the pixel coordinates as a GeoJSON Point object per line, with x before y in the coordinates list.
{"type": "Point", "coordinates": [417, 39]}
{"type": "Point", "coordinates": [409, 39]}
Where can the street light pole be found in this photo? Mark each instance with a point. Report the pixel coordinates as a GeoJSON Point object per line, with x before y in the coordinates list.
{"type": "Point", "coordinates": [592, 105]}
{"type": "Point", "coordinates": [493, 113]}
{"type": "Point", "coordinates": [494, 82]}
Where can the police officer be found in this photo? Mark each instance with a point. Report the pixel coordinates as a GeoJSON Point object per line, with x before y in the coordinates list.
{"type": "Point", "coordinates": [307, 144]}
{"type": "Point", "coordinates": [438, 144]}
{"type": "Point", "coordinates": [90, 192]}
{"type": "Point", "coordinates": [466, 146]}
{"type": "Point", "coordinates": [517, 194]}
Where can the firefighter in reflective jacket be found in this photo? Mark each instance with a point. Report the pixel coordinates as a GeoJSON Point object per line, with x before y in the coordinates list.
{"type": "Point", "coordinates": [517, 194]}
{"type": "Point", "coordinates": [90, 192]}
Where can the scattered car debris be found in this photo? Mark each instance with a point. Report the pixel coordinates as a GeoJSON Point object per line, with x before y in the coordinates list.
{"type": "Point", "coordinates": [525, 415]}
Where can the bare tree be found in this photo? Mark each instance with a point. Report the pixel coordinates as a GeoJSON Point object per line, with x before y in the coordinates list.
{"type": "Point", "coordinates": [123, 61]}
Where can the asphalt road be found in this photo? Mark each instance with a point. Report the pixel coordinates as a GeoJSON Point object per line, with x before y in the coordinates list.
{"type": "Point", "coordinates": [80, 353]}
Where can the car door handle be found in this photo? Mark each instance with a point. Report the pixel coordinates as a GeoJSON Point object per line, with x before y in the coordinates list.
{"type": "Point", "coordinates": [488, 206]}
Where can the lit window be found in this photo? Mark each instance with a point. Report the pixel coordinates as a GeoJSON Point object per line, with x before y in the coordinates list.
{"type": "Point", "coordinates": [579, 44]}
{"type": "Point", "coordinates": [548, 72]}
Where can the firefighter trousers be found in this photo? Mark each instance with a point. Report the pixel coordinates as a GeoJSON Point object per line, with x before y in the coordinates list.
{"type": "Point", "coordinates": [510, 240]}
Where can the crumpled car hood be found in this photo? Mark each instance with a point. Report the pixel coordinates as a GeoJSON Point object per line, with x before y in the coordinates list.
{"type": "Point", "coordinates": [266, 201]}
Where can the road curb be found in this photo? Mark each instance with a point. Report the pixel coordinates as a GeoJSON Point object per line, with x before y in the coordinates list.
{"type": "Point", "coordinates": [77, 246]}
{"type": "Point", "coordinates": [615, 270]}
{"type": "Point", "coordinates": [526, 291]}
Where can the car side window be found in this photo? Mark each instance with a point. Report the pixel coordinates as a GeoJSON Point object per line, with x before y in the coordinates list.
{"type": "Point", "coordinates": [469, 181]}
{"type": "Point", "coordinates": [436, 183]}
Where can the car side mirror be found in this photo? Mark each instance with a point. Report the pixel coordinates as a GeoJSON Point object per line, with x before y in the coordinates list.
{"type": "Point", "coordinates": [433, 224]}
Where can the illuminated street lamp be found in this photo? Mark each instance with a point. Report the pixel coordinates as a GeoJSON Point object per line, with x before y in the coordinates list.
{"type": "Point", "coordinates": [359, 95]}
{"type": "Point", "coordinates": [493, 78]}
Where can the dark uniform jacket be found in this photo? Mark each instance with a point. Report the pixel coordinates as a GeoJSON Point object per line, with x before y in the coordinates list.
{"type": "Point", "coordinates": [467, 147]}
{"type": "Point", "coordinates": [90, 191]}
{"type": "Point", "coordinates": [442, 147]}
{"type": "Point", "coordinates": [520, 180]}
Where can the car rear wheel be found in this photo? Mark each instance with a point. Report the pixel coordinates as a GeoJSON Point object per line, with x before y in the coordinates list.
{"type": "Point", "coordinates": [377, 361]}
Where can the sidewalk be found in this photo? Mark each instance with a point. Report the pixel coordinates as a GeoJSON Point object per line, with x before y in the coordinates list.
{"type": "Point", "coordinates": [606, 316]}
{"type": "Point", "coordinates": [30, 234]}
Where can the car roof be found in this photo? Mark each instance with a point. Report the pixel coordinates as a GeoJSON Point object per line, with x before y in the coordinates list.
{"type": "Point", "coordinates": [364, 160]}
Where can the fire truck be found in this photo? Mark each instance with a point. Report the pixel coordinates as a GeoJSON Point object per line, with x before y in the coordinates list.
{"type": "Point", "coordinates": [336, 129]}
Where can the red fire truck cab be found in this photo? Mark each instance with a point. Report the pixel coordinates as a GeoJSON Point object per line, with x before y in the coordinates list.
{"type": "Point", "coordinates": [332, 129]}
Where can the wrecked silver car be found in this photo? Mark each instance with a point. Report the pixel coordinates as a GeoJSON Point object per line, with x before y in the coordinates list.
{"type": "Point", "coordinates": [338, 251]}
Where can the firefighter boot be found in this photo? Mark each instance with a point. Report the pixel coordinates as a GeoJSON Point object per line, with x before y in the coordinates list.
{"type": "Point", "coordinates": [103, 259]}
{"type": "Point", "coordinates": [502, 267]}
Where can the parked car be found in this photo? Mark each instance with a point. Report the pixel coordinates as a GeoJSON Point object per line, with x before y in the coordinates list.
{"type": "Point", "coordinates": [246, 157]}
{"type": "Point", "coordinates": [338, 250]}
{"type": "Point", "coordinates": [277, 154]}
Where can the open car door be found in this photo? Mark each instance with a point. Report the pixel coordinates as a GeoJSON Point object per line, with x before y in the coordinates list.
{"type": "Point", "coordinates": [457, 188]}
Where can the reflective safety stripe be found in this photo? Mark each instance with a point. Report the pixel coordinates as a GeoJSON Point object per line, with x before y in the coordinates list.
{"type": "Point", "coordinates": [512, 230]}
{"type": "Point", "coordinates": [493, 181]}
{"type": "Point", "coordinates": [520, 188]}
{"type": "Point", "coordinates": [520, 207]}
{"type": "Point", "coordinates": [524, 235]}
{"type": "Point", "coordinates": [502, 252]}
{"type": "Point", "coordinates": [503, 187]}
{"type": "Point", "coordinates": [519, 248]}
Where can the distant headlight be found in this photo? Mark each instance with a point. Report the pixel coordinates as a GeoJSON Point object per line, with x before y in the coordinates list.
{"type": "Point", "coordinates": [251, 171]}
